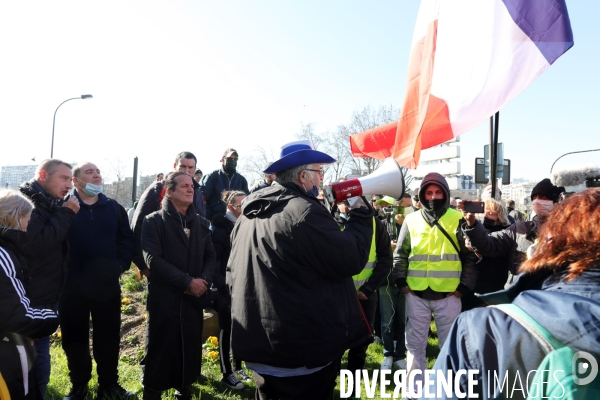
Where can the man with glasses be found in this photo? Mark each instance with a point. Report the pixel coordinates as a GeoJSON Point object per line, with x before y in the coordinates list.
{"type": "Point", "coordinates": [294, 306]}
{"type": "Point", "coordinates": [224, 178]}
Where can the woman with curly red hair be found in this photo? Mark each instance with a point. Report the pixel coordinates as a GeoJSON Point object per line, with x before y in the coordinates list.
{"type": "Point", "coordinates": [559, 288]}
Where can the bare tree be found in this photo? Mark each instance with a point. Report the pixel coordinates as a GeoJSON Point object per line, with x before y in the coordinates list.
{"type": "Point", "coordinates": [119, 186]}
{"type": "Point", "coordinates": [253, 166]}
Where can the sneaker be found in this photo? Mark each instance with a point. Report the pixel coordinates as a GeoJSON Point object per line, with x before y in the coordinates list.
{"type": "Point", "coordinates": [112, 392]}
{"type": "Point", "coordinates": [233, 382]}
{"type": "Point", "coordinates": [400, 364]}
{"type": "Point", "coordinates": [387, 363]}
{"type": "Point", "coordinates": [242, 375]}
{"type": "Point", "coordinates": [78, 392]}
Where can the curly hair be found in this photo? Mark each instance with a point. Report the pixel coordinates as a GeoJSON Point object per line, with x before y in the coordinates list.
{"type": "Point", "coordinates": [570, 238]}
{"type": "Point", "coordinates": [500, 209]}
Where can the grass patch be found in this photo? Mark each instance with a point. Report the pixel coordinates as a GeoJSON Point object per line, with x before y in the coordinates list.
{"type": "Point", "coordinates": [130, 284]}
{"type": "Point", "coordinates": [209, 384]}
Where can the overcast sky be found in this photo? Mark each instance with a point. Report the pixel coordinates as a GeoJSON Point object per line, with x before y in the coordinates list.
{"type": "Point", "coordinates": [206, 75]}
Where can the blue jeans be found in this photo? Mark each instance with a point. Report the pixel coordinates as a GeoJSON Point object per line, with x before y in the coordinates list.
{"type": "Point", "coordinates": [41, 365]}
{"type": "Point", "coordinates": [392, 306]}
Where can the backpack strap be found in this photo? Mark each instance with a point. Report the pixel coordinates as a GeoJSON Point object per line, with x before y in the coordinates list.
{"type": "Point", "coordinates": [447, 236]}
{"type": "Point", "coordinates": [548, 342]}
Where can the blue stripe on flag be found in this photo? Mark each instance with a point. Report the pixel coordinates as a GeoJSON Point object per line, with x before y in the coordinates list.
{"type": "Point", "coordinates": [546, 22]}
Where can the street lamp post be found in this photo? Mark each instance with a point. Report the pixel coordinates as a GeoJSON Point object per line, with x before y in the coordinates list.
{"type": "Point", "coordinates": [82, 97]}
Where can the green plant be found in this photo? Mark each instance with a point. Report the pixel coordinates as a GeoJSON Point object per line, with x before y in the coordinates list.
{"type": "Point", "coordinates": [132, 339]}
{"type": "Point", "coordinates": [130, 284]}
{"type": "Point", "coordinates": [127, 309]}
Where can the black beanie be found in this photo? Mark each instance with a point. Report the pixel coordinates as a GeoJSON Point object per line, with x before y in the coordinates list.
{"type": "Point", "coordinates": [546, 188]}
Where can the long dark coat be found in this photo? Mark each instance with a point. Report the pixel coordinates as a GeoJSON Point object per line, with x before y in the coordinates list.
{"type": "Point", "coordinates": [174, 335]}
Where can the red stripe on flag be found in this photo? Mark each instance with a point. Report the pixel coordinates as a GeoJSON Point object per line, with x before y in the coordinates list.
{"type": "Point", "coordinates": [424, 120]}
{"type": "Point", "coordinates": [407, 147]}
{"type": "Point", "coordinates": [376, 143]}
{"type": "Point", "coordinates": [436, 128]}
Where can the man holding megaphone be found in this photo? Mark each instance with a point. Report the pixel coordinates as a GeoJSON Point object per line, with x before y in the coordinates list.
{"type": "Point", "coordinates": [294, 307]}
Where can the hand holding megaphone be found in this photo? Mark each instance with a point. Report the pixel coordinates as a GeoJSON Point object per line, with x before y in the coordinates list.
{"type": "Point", "coordinates": [387, 179]}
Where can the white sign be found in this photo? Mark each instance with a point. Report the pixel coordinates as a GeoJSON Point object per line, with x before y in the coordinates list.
{"type": "Point", "coordinates": [440, 153]}
{"type": "Point", "coordinates": [450, 168]}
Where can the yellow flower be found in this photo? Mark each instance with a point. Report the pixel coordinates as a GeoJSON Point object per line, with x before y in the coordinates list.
{"type": "Point", "coordinates": [125, 300]}
{"type": "Point", "coordinates": [213, 355]}
{"type": "Point", "coordinates": [59, 335]}
{"type": "Point", "coordinates": [212, 340]}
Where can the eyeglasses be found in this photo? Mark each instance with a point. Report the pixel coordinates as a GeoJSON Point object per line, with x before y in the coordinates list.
{"type": "Point", "coordinates": [320, 171]}
{"type": "Point", "coordinates": [236, 205]}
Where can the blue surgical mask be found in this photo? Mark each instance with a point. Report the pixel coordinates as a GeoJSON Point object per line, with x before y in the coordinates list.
{"type": "Point", "coordinates": [314, 192]}
{"type": "Point", "coordinates": [92, 190]}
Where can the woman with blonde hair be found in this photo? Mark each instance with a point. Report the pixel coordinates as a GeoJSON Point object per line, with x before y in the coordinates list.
{"type": "Point", "coordinates": [559, 289]}
{"type": "Point", "coordinates": [18, 321]}
{"type": "Point", "coordinates": [493, 271]}
{"type": "Point", "coordinates": [495, 211]}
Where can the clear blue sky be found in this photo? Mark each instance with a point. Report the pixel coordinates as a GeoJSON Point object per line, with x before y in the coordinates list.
{"type": "Point", "coordinates": [206, 75]}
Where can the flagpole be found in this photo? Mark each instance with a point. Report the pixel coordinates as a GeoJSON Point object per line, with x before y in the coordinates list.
{"type": "Point", "coordinates": [493, 151]}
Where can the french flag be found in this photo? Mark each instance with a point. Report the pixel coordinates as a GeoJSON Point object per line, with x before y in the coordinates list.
{"type": "Point", "coordinates": [468, 59]}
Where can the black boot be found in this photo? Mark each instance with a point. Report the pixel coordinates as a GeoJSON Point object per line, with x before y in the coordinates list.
{"type": "Point", "coordinates": [78, 392]}
{"type": "Point", "coordinates": [113, 392]}
{"type": "Point", "coordinates": [150, 394]}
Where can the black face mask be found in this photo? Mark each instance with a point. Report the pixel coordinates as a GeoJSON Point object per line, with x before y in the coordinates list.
{"type": "Point", "coordinates": [489, 222]}
{"type": "Point", "coordinates": [437, 204]}
{"type": "Point", "coordinates": [230, 165]}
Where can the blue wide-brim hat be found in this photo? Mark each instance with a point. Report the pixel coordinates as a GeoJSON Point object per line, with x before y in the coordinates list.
{"type": "Point", "coordinates": [294, 154]}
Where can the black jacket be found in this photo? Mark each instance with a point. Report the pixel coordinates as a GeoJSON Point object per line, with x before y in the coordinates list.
{"type": "Point", "coordinates": [175, 319]}
{"type": "Point", "coordinates": [511, 242]}
{"type": "Point", "coordinates": [150, 202]}
{"type": "Point", "coordinates": [259, 185]}
{"type": "Point", "coordinates": [221, 238]}
{"type": "Point", "coordinates": [46, 250]}
{"type": "Point", "coordinates": [19, 322]}
{"type": "Point", "coordinates": [16, 313]}
{"type": "Point", "coordinates": [213, 185]}
{"type": "Point", "coordinates": [100, 247]}
{"type": "Point", "coordinates": [289, 272]}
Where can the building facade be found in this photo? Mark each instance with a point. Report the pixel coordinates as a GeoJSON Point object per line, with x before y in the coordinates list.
{"type": "Point", "coordinates": [12, 176]}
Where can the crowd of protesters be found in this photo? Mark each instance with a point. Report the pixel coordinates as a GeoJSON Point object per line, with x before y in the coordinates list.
{"type": "Point", "coordinates": [296, 281]}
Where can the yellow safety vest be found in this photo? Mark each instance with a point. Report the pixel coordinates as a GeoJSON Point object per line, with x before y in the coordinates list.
{"type": "Point", "coordinates": [367, 271]}
{"type": "Point", "coordinates": [433, 261]}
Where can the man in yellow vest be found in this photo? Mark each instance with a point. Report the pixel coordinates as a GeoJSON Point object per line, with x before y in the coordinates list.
{"type": "Point", "coordinates": [433, 268]}
{"type": "Point", "coordinates": [377, 269]}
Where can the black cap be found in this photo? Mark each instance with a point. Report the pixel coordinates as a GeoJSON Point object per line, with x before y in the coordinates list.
{"type": "Point", "coordinates": [546, 188]}
{"type": "Point", "coordinates": [198, 171]}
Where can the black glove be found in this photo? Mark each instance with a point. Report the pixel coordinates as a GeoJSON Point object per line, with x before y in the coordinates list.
{"type": "Point", "coordinates": [361, 213]}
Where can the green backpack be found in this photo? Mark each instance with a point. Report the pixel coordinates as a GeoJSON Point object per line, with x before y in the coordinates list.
{"type": "Point", "coordinates": [559, 357]}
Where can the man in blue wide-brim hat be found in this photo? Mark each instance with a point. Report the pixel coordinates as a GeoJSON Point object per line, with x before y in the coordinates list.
{"type": "Point", "coordinates": [294, 307]}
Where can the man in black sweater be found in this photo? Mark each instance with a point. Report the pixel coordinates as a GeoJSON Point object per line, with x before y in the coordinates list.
{"type": "Point", "coordinates": [100, 249]}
